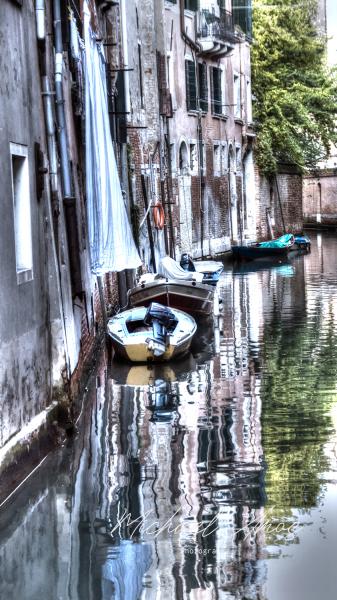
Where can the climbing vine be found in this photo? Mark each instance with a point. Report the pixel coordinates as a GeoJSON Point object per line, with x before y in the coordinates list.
{"type": "Point", "coordinates": [295, 106]}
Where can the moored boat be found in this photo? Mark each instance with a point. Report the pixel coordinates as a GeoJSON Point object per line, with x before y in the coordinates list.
{"type": "Point", "coordinates": [190, 296]}
{"type": "Point", "coordinates": [302, 242]}
{"type": "Point", "coordinates": [278, 247]}
{"type": "Point", "coordinates": [210, 269]}
{"type": "Point", "coordinates": [156, 333]}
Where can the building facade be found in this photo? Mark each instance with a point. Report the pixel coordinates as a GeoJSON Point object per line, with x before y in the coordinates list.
{"type": "Point", "coordinates": [177, 114]}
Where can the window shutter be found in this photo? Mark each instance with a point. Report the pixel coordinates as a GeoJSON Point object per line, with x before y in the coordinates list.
{"type": "Point", "coordinates": [191, 89]}
{"type": "Point", "coordinates": [216, 91]}
{"type": "Point", "coordinates": [191, 5]}
{"type": "Point", "coordinates": [203, 87]}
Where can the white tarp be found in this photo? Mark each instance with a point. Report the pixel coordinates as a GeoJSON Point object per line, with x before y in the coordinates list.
{"type": "Point", "coordinates": [112, 247]}
{"type": "Point", "coordinates": [172, 270]}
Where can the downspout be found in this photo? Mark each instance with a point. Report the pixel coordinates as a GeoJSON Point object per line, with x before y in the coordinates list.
{"type": "Point", "coordinates": [40, 13]}
{"type": "Point", "coordinates": [69, 201]}
{"type": "Point", "coordinates": [65, 168]}
{"type": "Point", "coordinates": [125, 55]}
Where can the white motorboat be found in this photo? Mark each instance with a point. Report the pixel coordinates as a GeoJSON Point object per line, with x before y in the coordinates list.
{"type": "Point", "coordinates": [175, 288]}
{"type": "Point", "coordinates": [156, 333]}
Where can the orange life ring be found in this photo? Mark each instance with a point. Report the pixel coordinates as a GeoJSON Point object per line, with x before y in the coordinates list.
{"type": "Point", "coordinates": [158, 215]}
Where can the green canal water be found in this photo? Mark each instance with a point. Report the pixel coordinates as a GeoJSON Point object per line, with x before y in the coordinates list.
{"type": "Point", "coordinates": [211, 478]}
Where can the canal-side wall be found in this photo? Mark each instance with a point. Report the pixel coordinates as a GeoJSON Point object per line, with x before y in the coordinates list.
{"type": "Point", "coordinates": [279, 204]}
{"type": "Point", "coordinates": [31, 323]}
{"type": "Point", "coordinates": [320, 198]}
{"type": "Point", "coordinates": [51, 320]}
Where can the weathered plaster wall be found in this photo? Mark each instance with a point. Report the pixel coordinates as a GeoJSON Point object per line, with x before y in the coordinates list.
{"type": "Point", "coordinates": [26, 310]}
{"type": "Point", "coordinates": [320, 199]}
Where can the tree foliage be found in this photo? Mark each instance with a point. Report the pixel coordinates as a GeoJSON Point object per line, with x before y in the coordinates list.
{"type": "Point", "coordinates": [295, 92]}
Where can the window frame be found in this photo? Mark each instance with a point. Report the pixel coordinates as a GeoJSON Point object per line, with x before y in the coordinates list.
{"type": "Point", "coordinates": [22, 220]}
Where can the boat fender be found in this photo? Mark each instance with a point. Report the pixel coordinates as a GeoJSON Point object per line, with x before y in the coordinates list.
{"type": "Point", "coordinates": [194, 283]}
{"type": "Point", "coordinates": [158, 215]}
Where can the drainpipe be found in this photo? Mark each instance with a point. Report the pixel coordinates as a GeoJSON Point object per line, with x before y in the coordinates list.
{"type": "Point", "coordinates": [40, 12]}
{"type": "Point", "coordinates": [69, 201]}
{"type": "Point", "coordinates": [65, 168]}
{"type": "Point", "coordinates": [47, 94]}
{"type": "Point", "coordinates": [125, 55]}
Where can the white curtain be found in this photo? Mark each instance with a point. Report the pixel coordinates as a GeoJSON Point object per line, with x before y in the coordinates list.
{"type": "Point", "coordinates": [112, 247]}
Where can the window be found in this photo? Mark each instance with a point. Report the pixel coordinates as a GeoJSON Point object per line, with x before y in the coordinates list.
{"type": "Point", "coordinates": [203, 87]}
{"type": "Point", "coordinates": [191, 85]}
{"type": "Point", "coordinates": [21, 207]}
{"type": "Point", "coordinates": [173, 158]}
{"type": "Point", "coordinates": [242, 15]}
{"type": "Point", "coordinates": [238, 158]}
{"type": "Point", "coordinates": [193, 158]}
{"type": "Point", "coordinates": [216, 77]}
{"type": "Point", "coordinates": [184, 160]}
{"type": "Point", "coordinates": [191, 5]}
{"type": "Point", "coordinates": [249, 110]}
{"type": "Point", "coordinates": [216, 159]}
{"type": "Point", "coordinates": [224, 158]}
{"type": "Point", "coordinates": [237, 96]}
{"type": "Point", "coordinates": [140, 69]}
{"type": "Point", "coordinates": [203, 159]}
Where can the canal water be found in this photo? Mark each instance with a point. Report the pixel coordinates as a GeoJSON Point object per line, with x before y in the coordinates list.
{"type": "Point", "coordinates": [213, 477]}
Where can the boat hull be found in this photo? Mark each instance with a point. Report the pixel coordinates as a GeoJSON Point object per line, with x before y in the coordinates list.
{"type": "Point", "coordinates": [190, 297]}
{"type": "Point", "coordinates": [133, 346]}
{"type": "Point", "coordinates": [253, 252]}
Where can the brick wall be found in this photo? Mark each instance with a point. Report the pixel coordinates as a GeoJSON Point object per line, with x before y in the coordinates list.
{"type": "Point", "coordinates": [282, 202]}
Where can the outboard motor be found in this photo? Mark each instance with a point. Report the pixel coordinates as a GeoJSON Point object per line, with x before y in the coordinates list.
{"type": "Point", "coordinates": [187, 263]}
{"type": "Point", "coordinates": [163, 321]}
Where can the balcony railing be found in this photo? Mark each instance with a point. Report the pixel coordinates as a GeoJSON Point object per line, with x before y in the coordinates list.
{"type": "Point", "coordinates": [217, 27]}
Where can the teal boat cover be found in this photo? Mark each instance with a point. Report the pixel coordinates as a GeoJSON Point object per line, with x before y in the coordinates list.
{"type": "Point", "coordinates": [285, 241]}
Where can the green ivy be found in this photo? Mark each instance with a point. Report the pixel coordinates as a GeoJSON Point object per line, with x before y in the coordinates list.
{"type": "Point", "coordinates": [295, 93]}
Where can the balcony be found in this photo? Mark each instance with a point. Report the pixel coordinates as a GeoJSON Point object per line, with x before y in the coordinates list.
{"type": "Point", "coordinates": [216, 32]}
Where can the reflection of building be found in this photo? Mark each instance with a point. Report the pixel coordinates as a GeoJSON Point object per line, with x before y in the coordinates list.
{"type": "Point", "coordinates": [183, 460]}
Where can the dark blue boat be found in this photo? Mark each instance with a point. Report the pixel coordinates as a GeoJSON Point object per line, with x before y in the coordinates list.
{"type": "Point", "coordinates": [279, 248]}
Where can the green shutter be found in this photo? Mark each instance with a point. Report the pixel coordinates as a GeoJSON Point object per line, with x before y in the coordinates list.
{"type": "Point", "coordinates": [191, 5]}
{"type": "Point", "coordinates": [203, 87]}
{"type": "Point", "coordinates": [191, 85]}
{"type": "Point", "coordinates": [216, 91]}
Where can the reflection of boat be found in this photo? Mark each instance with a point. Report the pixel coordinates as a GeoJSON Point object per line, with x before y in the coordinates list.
{"type": "Point", "coordinates": [281, 267]}
{"type": "Point", "coordinates": [163, 400]}
{"type": "Point", "coordinates": [154, 333]}
{"type": "Point", "coordinates": [189, 296]}
{"type": "Point", "coordinates": [124, 569]}
{"type": "Point", "coordinates": [279, 247]}
{"type": "Point", "coordinates": [147, 374]}
{"type": "Point", "coordinates": [210, 269]}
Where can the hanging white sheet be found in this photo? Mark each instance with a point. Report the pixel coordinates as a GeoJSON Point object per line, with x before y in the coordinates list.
{"type": "Point", "coordinates": [112, 247]}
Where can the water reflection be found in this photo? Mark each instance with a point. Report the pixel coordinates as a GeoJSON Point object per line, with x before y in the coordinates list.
{"type": "Point", "coordinates": [205, 478]}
